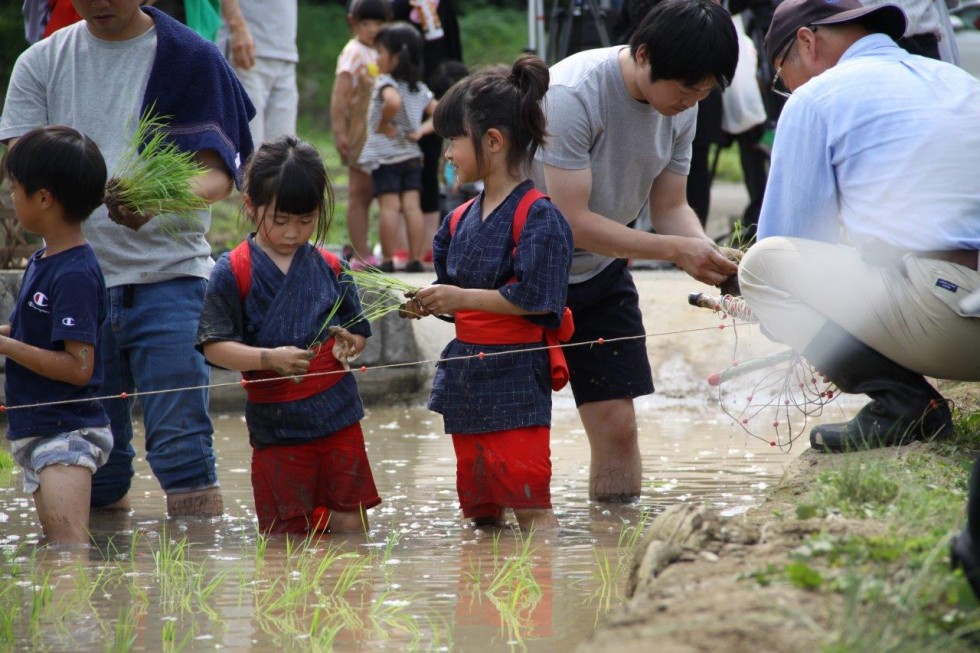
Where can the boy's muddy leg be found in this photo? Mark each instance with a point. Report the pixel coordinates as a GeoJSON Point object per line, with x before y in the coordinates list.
{"type": "Point", "coordinates": [200, 503]}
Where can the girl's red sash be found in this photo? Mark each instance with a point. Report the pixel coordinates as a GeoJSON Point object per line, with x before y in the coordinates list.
{"type": "Point", "coordinates": [482, 328]}
{"type": "Point", "coordinates": [265, 387]}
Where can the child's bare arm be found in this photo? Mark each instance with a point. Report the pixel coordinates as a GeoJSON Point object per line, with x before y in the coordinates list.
{"type": "Point", "coordinates": [426, 127]}
{"type": "Point", "coordinates": [231, 355]}
{"type": "Point", "coordinates": [216, 183]}
{"type": "Point", "coordinates": [445, 299]}
{"type": "Point", "coordinates": [339, 102]}
{"type": "Point", "coordinates": [241, 357]}
{"type": "Point", "coordinates": [74, 365]}
{"type": "Point", "coordinates": [391, 103]}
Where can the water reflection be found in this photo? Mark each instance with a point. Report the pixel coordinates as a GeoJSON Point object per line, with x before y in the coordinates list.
{"type": "Point", "coordinates": [421, 579]}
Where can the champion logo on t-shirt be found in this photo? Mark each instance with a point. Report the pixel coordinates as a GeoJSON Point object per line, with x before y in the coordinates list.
{"type": "Point", "coordinates": [39, 302]}
{"type": "Point", "coordinates": [68, 321]}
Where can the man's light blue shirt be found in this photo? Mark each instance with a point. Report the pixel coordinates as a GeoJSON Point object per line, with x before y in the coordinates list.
{"type": "Point", "coordinates": [884, 146]}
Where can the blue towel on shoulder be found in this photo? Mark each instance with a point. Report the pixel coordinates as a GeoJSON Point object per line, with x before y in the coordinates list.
{"type": "Point", "coordinates": [193, 86]}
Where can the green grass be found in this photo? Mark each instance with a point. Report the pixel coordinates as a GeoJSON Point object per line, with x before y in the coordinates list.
{"type": "Point", "coordinates": [890, 569]}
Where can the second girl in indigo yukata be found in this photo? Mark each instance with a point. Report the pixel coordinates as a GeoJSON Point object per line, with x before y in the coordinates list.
{"type": "Point", "coordinates": [266, 314]}
{"type": "Point", "coordinates": [505, 283]}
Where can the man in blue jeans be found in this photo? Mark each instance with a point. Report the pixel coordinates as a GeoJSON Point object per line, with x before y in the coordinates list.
{"type": "Point", "coordinates": [98, 76]}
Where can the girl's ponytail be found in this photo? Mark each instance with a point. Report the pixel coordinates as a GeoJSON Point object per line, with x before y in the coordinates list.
{"type": "Point", "coordinates": [530, 75]}
{"type": "Point", "coordinates": [496, 98]}
{"type": "Point", "coordinates": [403, 41]}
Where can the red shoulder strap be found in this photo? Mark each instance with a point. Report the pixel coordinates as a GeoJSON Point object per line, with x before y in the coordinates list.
{"type": "Point", "coordinates": [457, 215]}
{"type": "Point", "coordinates": [523, 208]}
{"type": "Point", "coordinates": [240, 259]}
{"type": "Point", "coordinates": [520, 214]}
{"type": "Point", "coordinates": [241, 266]}
{"type": "Point", "coordinates": [332, 260]}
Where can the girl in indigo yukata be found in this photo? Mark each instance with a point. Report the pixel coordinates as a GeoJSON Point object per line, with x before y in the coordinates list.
{"type": "Point", "coordinates": [502, 263]}
{"type": "Point", "coordinates": [266, 314]}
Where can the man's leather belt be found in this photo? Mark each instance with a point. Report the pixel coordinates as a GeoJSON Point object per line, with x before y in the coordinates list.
{"type": "Point", "coordinates": [965, 257]}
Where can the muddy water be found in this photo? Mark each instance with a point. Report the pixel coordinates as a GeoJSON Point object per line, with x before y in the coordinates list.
{"type": "Point", "coordinates": [420, 579]}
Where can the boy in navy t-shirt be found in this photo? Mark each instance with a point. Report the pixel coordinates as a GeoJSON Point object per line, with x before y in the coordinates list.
{"type": "Point", "coordinates": [57, 178]}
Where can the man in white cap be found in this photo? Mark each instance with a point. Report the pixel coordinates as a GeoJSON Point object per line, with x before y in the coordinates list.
{"type": "Point", "coordinates": [870, 227]}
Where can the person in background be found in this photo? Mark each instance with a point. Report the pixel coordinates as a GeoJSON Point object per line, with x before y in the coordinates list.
{"type": "Point", "coordinates": [357, 69]}
{"type": "Point", "coordinates": [259, 39]}
{"type": "Point", "coordinates": [399, 104]}
{"type": "Point", "coordinates": [442, 43]}
{"type": "Point", "coordinates": [868, 236]}
{"type": "Point", "coordinates": [502, 265]}
{"type": "Point", "coordinates": [57, 178]}
{"type": "Point", "coordinates": [266, 313]}
{"type": "Point", "coordinates": [42, 18]}
{"type": "Point", "coordinates": [202, 16]}
{"type": "Point", "coordinates": [156, 281]}
{"type": "Point", "coordinates": [621, 128]}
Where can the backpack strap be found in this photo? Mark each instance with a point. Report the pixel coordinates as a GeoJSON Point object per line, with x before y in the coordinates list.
{"type": "Point", "coordinates": [240, 259]}
{"type": "Point", "coordinates": [520, 214]}
{"type": "Point", "coordinates": [457, 215]}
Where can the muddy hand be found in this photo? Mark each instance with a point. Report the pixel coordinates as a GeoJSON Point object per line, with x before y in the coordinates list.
{"type": "Point", "coordinates": [704, 261]}
{"type": "Point", "coordinates": [344, 345]}
{"type": "Point", "coordinates": [412, 309]}
{"type": "Point", "coordinates": [287, 361]}
{"type": "Point", "coordinates": [120, 214]}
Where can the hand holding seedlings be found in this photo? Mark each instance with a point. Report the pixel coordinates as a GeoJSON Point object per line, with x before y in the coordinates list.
{"type": "Point", "coordinates": [287, 361]}
{"type": "Point", "coordinates": [412, 309]}
{"type": "Point", "coordinates": [347, 346]}
{"type": "Point", "coordinates": [704, 261]}
{"type": "Point", "coordinates": [443, 299]}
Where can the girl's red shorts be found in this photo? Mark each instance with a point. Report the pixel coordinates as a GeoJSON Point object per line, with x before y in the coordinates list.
{"type": "Point", "coordinates": [290, 481]}
{"type": "Point", "coordinates": [503, 469]}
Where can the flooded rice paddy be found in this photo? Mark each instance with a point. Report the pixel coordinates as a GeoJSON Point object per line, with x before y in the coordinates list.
{"type": "Point", "coordinates": [420, 580]}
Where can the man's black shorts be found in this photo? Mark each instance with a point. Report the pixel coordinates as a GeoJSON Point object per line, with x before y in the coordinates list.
{"type": "Point", "coordinates": [607, 306]}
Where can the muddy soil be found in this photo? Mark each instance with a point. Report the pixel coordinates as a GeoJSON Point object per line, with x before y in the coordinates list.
{"type": "Point", "coordinates": [692, 589]}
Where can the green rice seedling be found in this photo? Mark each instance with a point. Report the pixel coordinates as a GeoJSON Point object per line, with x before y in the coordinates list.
{"type": "Point", "coordinates": [514, 590]}
{"type": "Point", "coordinates": [352, 574]}
{"type": "Point", "coordinates": [605, 573]}
{"type": "Point", "coordinates": [168, 636]}
{"type": "Point", "coordinates": [391, 541]}
{"type": "Point", "coordinates": [124, 635]}
{"type": "Point", "coordinates": [153, 179]}
{"type": "Point", "coordinates": [379, 293]}
{"type": "Point", "coordinates": [8, 614]}
{"type": "Point", "coordinates": [41, 594]}
{"type": "Point", "coordinates": [6, 460]}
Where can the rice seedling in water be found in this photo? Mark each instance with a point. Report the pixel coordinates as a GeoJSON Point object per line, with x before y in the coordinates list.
{"type": "Point", "coordinates": [6, 461]}
{"type": "Point", "coordinates": [125, 631]}
{"type": "Point", "coordinates": [168, 636]}
{"type": "Point", "coordinates": [514, 591]}
{"type": "Point", "coordinates": [153, 179]}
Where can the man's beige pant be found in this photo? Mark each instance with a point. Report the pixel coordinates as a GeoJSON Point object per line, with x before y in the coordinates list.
{"type": "Point", "coordinates": [906, 311]}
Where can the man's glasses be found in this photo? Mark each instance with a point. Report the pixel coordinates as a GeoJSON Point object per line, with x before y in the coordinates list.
{"type": "Point", "coordinates": [777, 86]}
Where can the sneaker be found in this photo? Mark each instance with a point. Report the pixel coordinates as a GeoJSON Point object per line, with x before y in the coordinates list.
{"type": "Point", "coordinates": [387, 266]}
{"type": "Point", "coordinates": [414, 266]}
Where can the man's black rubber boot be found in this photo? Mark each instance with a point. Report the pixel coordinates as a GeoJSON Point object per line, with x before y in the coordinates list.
{"type": "Point", "coordinates": [904, 406]}
{"type": "Point", "coordinates": [964, 552]}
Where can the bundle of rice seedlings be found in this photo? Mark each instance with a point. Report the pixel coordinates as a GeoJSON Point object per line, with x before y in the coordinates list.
{"type": "Point", "coordinates": [153, 178]}
{"type": "Point", "coordinates": [379, 295]}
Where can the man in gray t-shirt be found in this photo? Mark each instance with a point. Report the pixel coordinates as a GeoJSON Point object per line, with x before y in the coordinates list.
{"type": "Point", "coordinates": [259, 39]}
{"type": "Point", "coordinates": [621, 121]}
